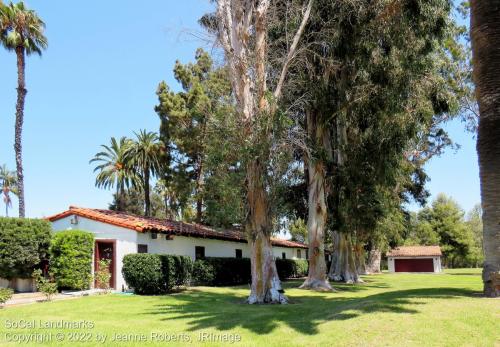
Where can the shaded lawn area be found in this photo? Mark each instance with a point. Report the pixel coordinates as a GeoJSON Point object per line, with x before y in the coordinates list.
{"type": "Point", "coordinates": [388, 310]}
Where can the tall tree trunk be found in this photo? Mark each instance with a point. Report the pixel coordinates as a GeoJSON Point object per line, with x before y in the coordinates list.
{"type": "Point", "coordinates": [343, 268]}
{"type": "Point", "coordinates": [317, 212]}
{"type": "Point", "coordinates": [200, 182]}
{"type": "Point", "coordinates": [360, 259]}
{"type": "Point", "coordinates": [18, 147]}
{"type": "Point", "coordinates": [266, 286]}
{"type": "Point", "coordinates": [485, 35]}
{"type": "Point", "coordinates": [373, 263]}
{"type": "Point", "coordinates": [147, 199]}
{"type": "Point", "coordinates": [242, 32]}
{"type": "Point", "coordinates": [120, 197]}
{"type": "Point", "coordinates": [6, 200]}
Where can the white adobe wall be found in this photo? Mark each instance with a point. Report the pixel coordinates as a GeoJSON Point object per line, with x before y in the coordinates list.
{"type": "Point", "coordinates": [437, 264]}
{"type": "Point", "coordinates": [127, 241]}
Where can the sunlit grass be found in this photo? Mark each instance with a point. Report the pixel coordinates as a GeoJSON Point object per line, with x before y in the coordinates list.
{"type": "Point", "coordinates": [388, 310]}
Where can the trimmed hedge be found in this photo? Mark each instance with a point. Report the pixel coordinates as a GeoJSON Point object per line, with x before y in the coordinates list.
{"type": "Point", "coordinates": [230, 271]}
{"type": "Point", "coordinates": [156, 273]}
{"type": "Point", "coordinates": [235, 271]}
{"type": "Point", "coordinates": [292, 268]}
{"type": "Point", "coordinates": [71, 259]}
{"type": "Point", "coordinates": [24, 244]}
{"type": "Point", "coordinates": [203, 273]}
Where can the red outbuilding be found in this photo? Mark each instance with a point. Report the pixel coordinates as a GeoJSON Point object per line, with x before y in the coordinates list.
{"type": "Point", "coordinates": [414, 259]}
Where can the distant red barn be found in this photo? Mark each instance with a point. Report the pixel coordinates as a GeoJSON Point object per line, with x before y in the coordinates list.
{"type": "Point", "coordinates": [414, 259]}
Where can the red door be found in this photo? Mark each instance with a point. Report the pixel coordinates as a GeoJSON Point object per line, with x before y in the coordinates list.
{"type": "Point", "coordinates": [105, 249]}
{"type": "Point", "coordinates": [414, 265]}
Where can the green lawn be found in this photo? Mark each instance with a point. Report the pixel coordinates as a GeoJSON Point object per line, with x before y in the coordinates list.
{"type": "Point", "coordinates": [388, 310]}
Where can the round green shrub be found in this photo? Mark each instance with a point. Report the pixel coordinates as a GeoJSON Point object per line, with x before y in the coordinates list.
{"type": "Point", "coordinates": [203, 273]}
{"type": "Point", "coordinates": [143, 272]}
{"type": "Point", "coordinates": [71, 259]}
{"type": "Point", "coordinates": [24, 244]}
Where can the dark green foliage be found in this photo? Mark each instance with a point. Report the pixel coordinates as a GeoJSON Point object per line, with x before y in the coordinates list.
{"type": "Point", "coordinates": [444, 224]}
{"type": "Point", "coordinates": [234, 271]}
{"type": "Point", "coordinates": [132, 201]}
{"type": "Point", "coordinates": [201, 167]}
{"type": "Point", "coordinates": [24, 243]}
{"type": "Point", "coordinates": [156, 273]}
{"type": "Point", "coordinates": [176, 270]}
{"type": "Point", "coordinates": [144, 273]}
{"type": "Point", "coordinates": [71, 259]}
{"type": "Point", "coordinates": [291, 268]}
{"type": "Point", "coordinates": [5, 294]}
{"type": "Point", "coordinates": [203, 273]}
{"type": "Point", "coordinates": [184, 268]}
{"type": "Point", "coordinates": [230, 271]}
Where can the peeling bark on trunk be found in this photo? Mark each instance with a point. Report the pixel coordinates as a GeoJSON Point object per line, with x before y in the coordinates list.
{"type": "Point", "coordinates": [373, 263]}
{"type": "Point", "coordinates": [266, 286]}
{"type": "Point", "coordinates": [18, 148]}
{"type": "Point", "coordinates": [343, 268]}
{"type": "Point", "coordinates": [317, 215]}
{"type": "Point", "coordinates": [485, 35]}
{"type": "Point", "coordinates": [200, 182]}
{"type": "Point", "coordinates": [242, 32]}
{"type": "Point", "coordinates": [316, 226]}
{"type": "Point", "coordinates": [360, 259]}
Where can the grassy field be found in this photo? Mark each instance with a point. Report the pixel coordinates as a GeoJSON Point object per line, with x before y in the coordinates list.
{"type": "Point", "coordinates": [388, 310]}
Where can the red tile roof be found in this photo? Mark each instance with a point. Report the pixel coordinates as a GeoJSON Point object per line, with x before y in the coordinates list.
{"type": "Point", "coordinates": [415, 251]}
{"type": "Point", "coordinates": [145, 224]}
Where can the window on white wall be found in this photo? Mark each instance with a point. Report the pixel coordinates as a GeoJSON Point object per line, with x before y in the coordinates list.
{"type": "Point", "coordinates": [299, 255]}
{"type": "Point", "coordinates": [142, 248]}
{"type": "Point", "coordinates": [199, 252]}
{"type": "Point", "coordinates": [283, 255]}
{"type": "Point", "coordinates": [239, 253]}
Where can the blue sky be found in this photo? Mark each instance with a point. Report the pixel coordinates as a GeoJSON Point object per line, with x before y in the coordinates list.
{"type": "Point", "coordinates": [98, 79]}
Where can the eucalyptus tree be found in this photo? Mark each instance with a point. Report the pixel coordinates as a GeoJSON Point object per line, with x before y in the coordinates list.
{"type": "Point", "coordinates": [242, 32]}
{"type": "Point", "coordinates": [8, 182]}
{"type": "Point", "coordinates": [485, 35]}
{"type": "Point", "coordinates": [393, 98]}
{"type": "Point", "coordinates": [371, 92]}
{"type": "Point", "coordinates": [145, 159]}
{"type": "Point", "coordinates": [23, 33]}
{"type": "Point", "coordinates": [114, 168]}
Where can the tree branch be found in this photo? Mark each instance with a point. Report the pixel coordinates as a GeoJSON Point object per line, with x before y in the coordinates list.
{"type": "Point", "coordinates": [293, 49]}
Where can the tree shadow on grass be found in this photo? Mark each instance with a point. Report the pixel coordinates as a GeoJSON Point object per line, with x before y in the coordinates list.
{"type": "Point", "coordinates": [369, 283]}
{"type": "Point", "coordinates": [463, 274]}
{"type": "Point", "coordinates": [221, 311]}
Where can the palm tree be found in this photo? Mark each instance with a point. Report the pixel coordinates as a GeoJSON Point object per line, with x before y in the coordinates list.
{"type": "Point", "coordinates": [146, 158]}
{"type": "Point", "coordinates": [114, 167]}
{"type": "Point", "coordinates": [22, 32]}
{"type": "Point", "coordinates": [8, 182]}
{"type": "Point", "coordinates": [485, 35]}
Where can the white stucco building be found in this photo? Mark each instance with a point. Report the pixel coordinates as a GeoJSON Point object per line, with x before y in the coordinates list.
{"type": "Point", "coordinates": [118, 234]}
{"type": "Point", "coordinates": [414, 259]}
